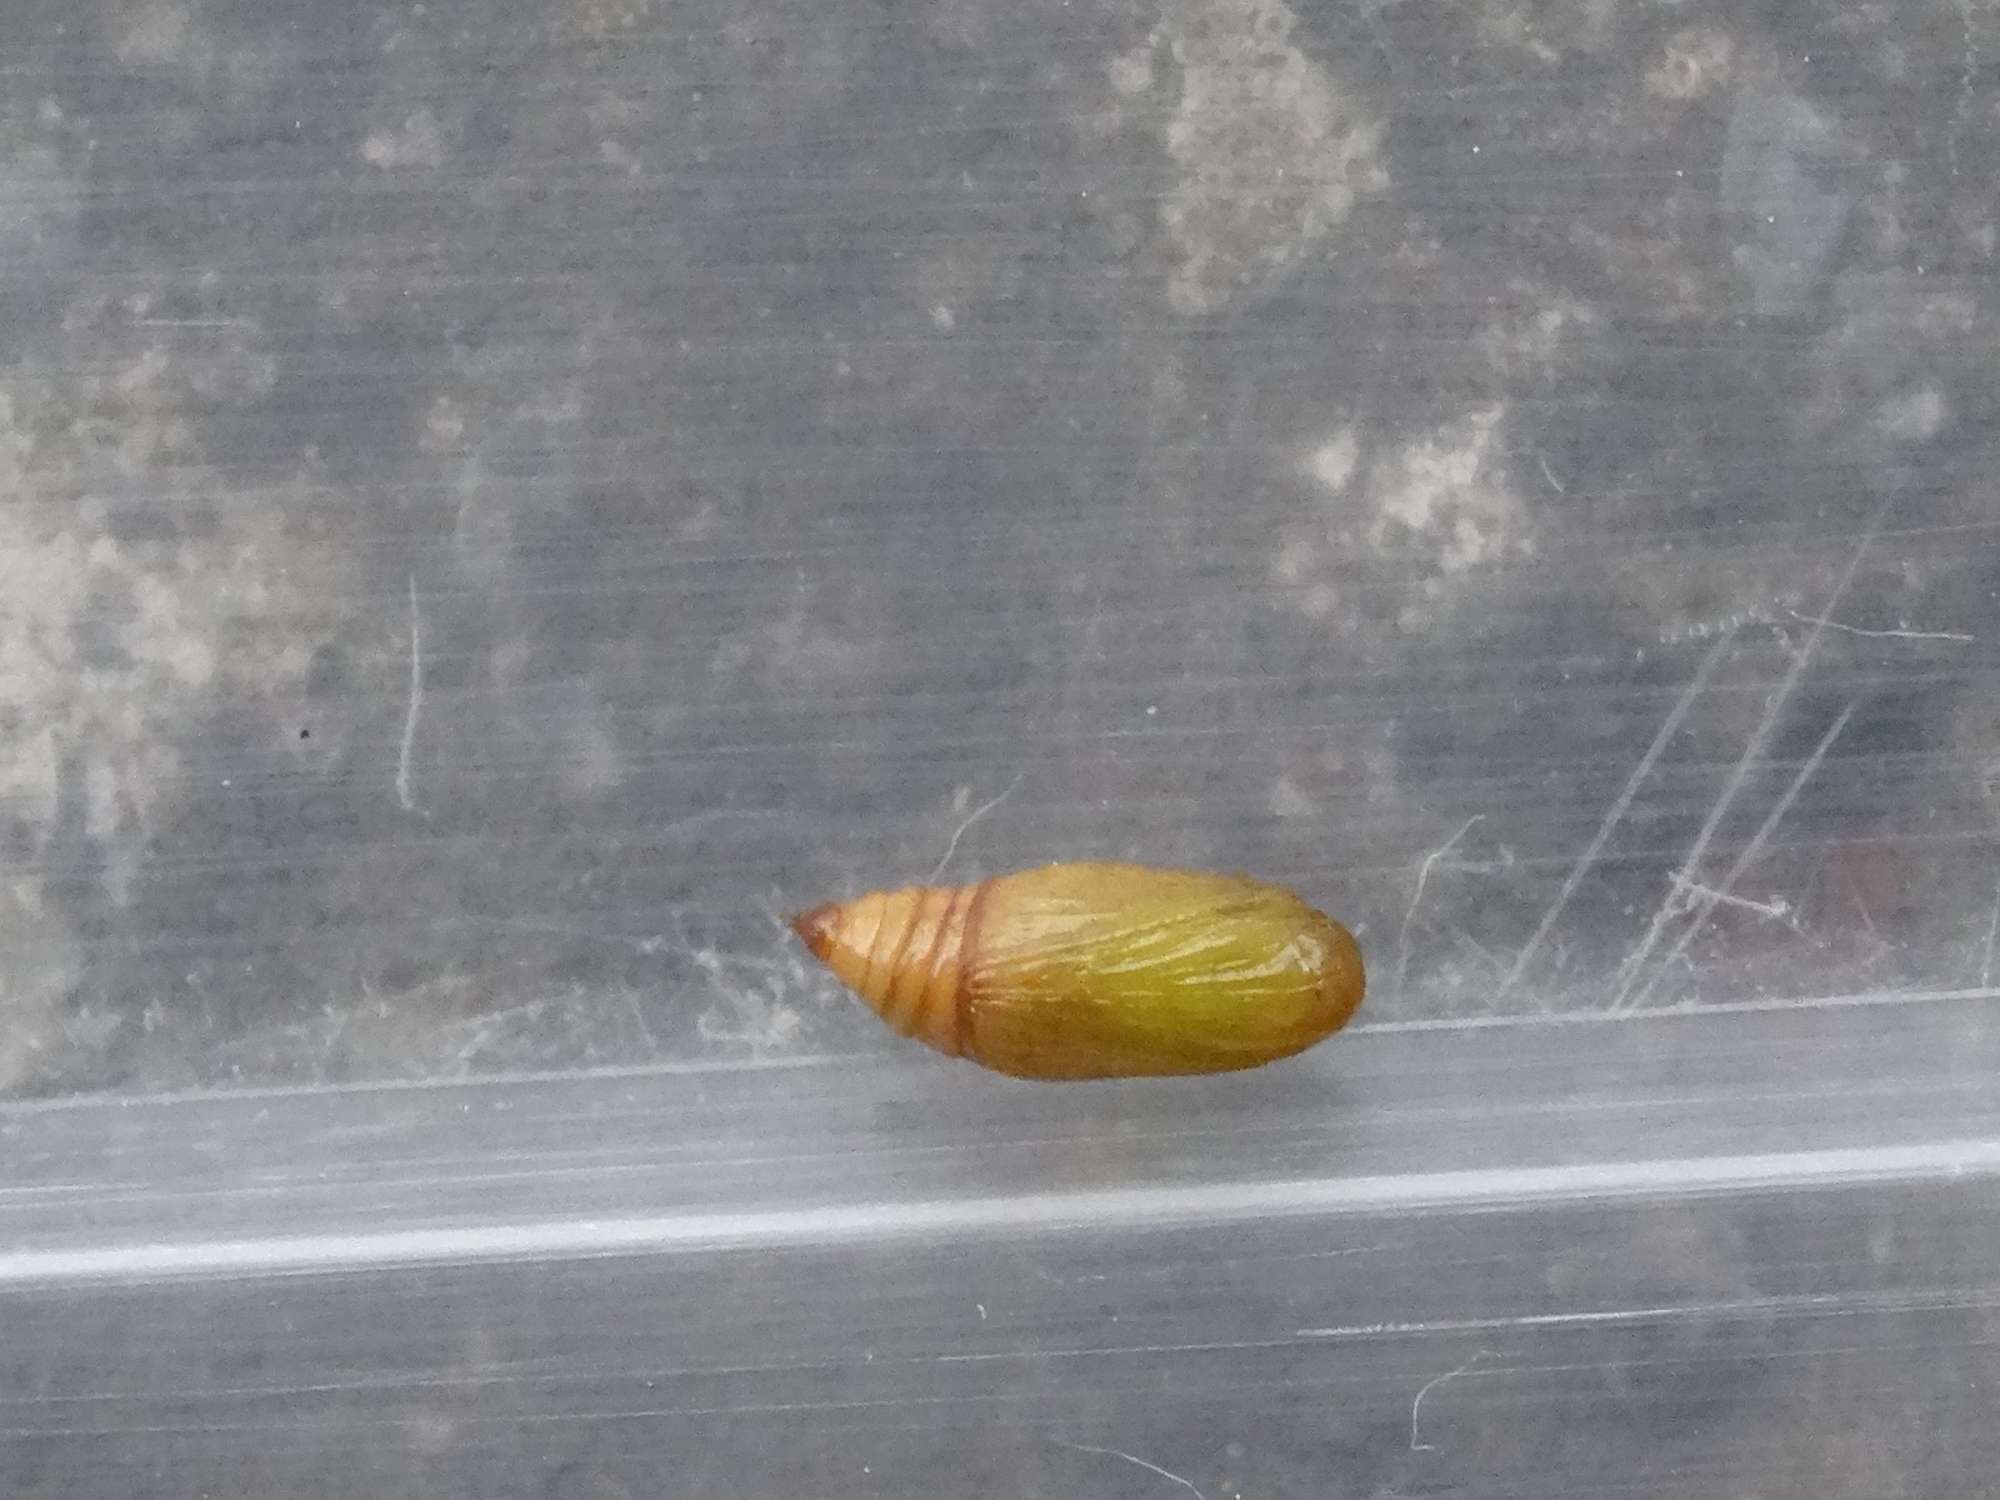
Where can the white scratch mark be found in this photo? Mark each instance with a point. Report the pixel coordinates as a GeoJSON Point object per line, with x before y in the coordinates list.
{"type": "Point", "coordinates": [1588, 859]}
{"type": "Point", "coordinates": [1549, 474]}
{"type": "Point", "coordinates": [972, 817]}
{"type": "Point", "coordinates": [639, 1020]}
{"type": "Point", "coordinates": [1132, 1458]}
{"type": "Point", "coordinates": [1881, 635]}
{"type": "Point", "coordinates": [1867, 917]}
{"type": "Point", "coordinates": [1417, 1406]}
{"type": "Point", "coordinates": [1775, 910]}
{"type": "Point", "coordinates": [1635, 961]}
{"type": "Point", "coordinates": [1968, 69]}
{"type": "Point", "coordinates": [1705, 905]}
{"type": "Point", "coordinates": [1466, 939]}
{"type": "Point", "coordinates": [1992, 933]}
{"type": "Point", "coordinates": [1417, 896]}
{"type": "Point", "coordinates": [486, 1029]}
{"type": "Point", "coordinates": [416, 708]}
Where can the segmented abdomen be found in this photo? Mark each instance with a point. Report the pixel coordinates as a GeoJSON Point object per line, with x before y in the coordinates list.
{"type": "Point", "coordinates": [904, 953]}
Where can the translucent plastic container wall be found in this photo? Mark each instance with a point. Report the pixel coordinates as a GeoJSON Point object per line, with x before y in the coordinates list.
{"type": "Point", "coordinates": [505, 501]}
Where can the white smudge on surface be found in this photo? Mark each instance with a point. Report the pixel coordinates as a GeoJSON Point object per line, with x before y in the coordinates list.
{"type": "Point", "coordinates": [417, 142]}
{"type": "Point", "coordinates": [1269, 153]}
{"type": "Point", "coordinates": [1445, 491]}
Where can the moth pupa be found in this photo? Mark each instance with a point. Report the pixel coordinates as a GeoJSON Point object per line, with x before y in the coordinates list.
{"type": "Point", "coordinates": [1096, 970]}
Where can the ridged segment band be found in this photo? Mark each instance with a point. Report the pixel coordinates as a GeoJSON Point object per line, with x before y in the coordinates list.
{"type": "Point", "coordinates": [913, 963]}
{"type": "Point", "coordinates": [901, 1002]}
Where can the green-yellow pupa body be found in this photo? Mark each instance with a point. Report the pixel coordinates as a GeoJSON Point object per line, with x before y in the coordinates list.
{"type": "Point", "coordinates": [1096, 970]}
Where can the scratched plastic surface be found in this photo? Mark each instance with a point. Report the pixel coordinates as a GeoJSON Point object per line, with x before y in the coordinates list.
{"type": "Point", "coordinates": [503, 501]}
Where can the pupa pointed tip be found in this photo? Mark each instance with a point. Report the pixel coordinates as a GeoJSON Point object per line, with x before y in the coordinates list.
{"type": "Point", "coordinates": [817, 927]}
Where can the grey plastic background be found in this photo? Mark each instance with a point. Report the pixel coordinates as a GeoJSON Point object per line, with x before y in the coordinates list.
{"type": "Point", "coordinates": [504, 500]}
